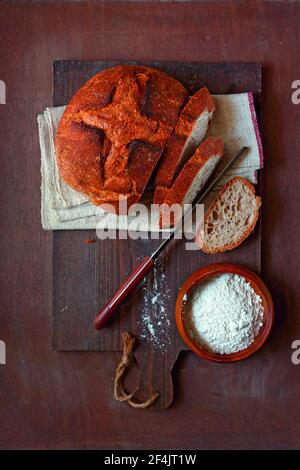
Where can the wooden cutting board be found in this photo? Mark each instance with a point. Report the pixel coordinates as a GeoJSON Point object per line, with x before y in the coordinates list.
{"type": "Point", "coordinates": [85, 276]}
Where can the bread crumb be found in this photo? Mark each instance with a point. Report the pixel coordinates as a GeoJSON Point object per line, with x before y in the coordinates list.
{"type": "Point", "coordinates": [89, 241]}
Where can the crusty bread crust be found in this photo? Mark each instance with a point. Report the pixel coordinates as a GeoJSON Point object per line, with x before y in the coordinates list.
{"type": "Point", "coordinates": [230, 246]}
{"type": "Point", "coordinates": [210, 148]}
{"type": "Point", "coordinates": [114, 130]}
{"type": "Point", "coordinates": [201, 102]}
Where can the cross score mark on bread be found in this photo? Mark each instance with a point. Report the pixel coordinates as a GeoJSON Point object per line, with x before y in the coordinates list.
{"type": "Point", "coordinates": [123, 123]}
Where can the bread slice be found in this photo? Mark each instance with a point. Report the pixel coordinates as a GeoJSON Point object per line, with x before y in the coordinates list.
{"type": "Point", "coordinates": [191, 179]}
{"type": "Point", "coordinates": [231, 217]}
{"type": "Point", "coordinates": [188, 134]}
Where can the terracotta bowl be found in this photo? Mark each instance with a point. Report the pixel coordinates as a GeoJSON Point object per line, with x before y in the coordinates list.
{"type": "Point", "coordinates": [204, 274]}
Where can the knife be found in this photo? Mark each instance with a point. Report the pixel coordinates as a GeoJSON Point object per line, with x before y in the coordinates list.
{"type": "Point", "coordinates": [147, 263]}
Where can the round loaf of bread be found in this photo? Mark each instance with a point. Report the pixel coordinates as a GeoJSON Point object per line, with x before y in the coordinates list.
{"type": "Point", "coordinates": [113, 132]}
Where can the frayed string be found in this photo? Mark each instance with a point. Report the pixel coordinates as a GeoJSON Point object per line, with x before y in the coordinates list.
{"type": "Point", "coordinates": [119, 391]}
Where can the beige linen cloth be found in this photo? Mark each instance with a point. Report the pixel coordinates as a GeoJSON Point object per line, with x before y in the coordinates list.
{"type": "Point", "coordinates": [63, 208]}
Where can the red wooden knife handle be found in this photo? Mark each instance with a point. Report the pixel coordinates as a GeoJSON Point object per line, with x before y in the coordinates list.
{"type": "Point", "coordinates": [128, 285]}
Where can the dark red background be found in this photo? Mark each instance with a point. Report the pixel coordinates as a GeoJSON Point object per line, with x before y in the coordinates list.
{"type": "Point", "coordinates": [64, 400]}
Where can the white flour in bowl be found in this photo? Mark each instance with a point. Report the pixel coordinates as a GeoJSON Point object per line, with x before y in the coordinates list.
{"type": "Point", "coordinates": [224, 314]}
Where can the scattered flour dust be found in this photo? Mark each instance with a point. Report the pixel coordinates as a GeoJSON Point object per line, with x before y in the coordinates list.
{"type": "Point", "coordinates": [224, 314]}
{"type": "Point", "coordinates": [154, 323]}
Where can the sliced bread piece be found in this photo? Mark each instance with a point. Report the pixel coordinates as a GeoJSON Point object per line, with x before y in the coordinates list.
{"type": "Point", "coordinates": [191, 179]}
{"type": "Point", "coordinates": [188, 134]}
{"type": "Point", "coordinates": [230, 218]}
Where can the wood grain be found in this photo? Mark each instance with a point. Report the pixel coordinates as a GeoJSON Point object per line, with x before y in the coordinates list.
{"type": "Point", "coordinates": [83, 284]}
{"type": "Point", "coordinates": [63, 400]}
